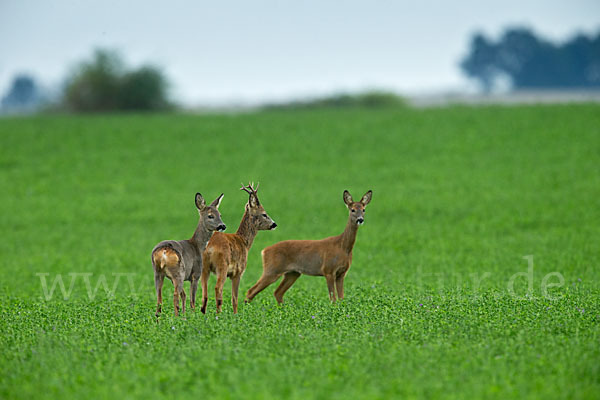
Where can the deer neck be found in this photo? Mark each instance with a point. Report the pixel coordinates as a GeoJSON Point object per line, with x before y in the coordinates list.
{"type": "Point", "coordinates": [201, 236]}
{"type": "Point", "coordinates": [247, 230]}
{"type": "Point", "coordinates": [349, 236]}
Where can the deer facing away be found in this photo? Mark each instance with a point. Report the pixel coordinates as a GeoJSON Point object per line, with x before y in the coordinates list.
{"type": "Point", "coordinates": [226, 253]}
{"type": "Point", "coordinates": [330, 257]}
{"type": "Point", "coordinates": [182, 260]}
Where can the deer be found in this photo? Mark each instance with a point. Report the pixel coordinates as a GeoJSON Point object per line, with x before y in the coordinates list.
{"type": "Point", "coordinates": [330, 257]}
{"type": "Point", "coordinates": [181, 260]}
{"type": "Point", "coordinates": [226, 253]}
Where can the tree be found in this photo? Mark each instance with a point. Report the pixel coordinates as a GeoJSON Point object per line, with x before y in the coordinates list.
{"type": "Point", "coordinates": [532, 62]}
{"type": "Point", "coordinates": [94, 86]}
{"type": "Point", "coordinates": [22, 96]}
{"type": "Point", "coordinates": [480, 63]}
{"type": "Point", "coordinates": [104, 84]}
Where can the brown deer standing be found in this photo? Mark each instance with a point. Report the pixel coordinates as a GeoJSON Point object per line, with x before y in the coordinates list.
{"type": "Point", "coordinates": [226, 254]}
{"type": "Point", "coordinates": [330, 257]}
{"type": "Point", "coordinates": [182, 260]}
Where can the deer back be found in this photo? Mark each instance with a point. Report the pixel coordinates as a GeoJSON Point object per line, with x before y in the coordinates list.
{"type": "Point", "coordinates": [226, 249]}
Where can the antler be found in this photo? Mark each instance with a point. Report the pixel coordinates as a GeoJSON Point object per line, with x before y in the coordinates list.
{"type": "Point", "coordinates": [245, 189]}
{"type": "Point", "coordinates": [249, 189]}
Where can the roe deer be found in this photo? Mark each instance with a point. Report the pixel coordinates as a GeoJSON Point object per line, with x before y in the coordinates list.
{"type": "Point", "coordinates": [182, 260]}
{"type": "Point", "coordinates": [226, 253]}
{"type": "Point", "coordinates": [330, 257]}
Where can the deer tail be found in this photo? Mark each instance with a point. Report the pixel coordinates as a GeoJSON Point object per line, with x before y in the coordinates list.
{"type": "Point", "coordinates": [165, 256]}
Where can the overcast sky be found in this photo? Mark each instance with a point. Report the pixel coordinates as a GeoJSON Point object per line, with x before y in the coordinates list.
{"type": "Point", "coordinates": [257, 50]}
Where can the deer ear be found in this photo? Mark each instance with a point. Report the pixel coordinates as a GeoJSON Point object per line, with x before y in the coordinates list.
{"type": "Point", "coordinates": [253, 201]}
{"type": "Point", "coordinates": [217, 201]}
{"type": "Point", "coordinates": [366, 199]}
{"type": "Point", "coordinates": [348, 198]}
{"type": "Point", "coordinates": [200, 203]}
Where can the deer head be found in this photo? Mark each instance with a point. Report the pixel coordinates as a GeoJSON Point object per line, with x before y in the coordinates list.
{"type": "Point", "coordinates": [357, 208]}
{"type": "Point", "coordinates": [257, 213]}
{"type": "Point", "coordinates": [210, 216]}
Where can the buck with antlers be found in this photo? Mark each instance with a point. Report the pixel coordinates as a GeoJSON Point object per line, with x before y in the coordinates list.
{"type": "Point", "coordinates": [226, 253]}
{"type": "Point", "coordinates": [330, 257]}
{"type": "Point", "coordinates": [182, 260]}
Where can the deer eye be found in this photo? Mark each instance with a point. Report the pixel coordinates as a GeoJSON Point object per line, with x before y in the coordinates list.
{"type": "Point", "coordinates": [210, 216]}
{"type": "Point", "coordinates": [265, 215]}
{"type": "Point", "coordinates": [353, 210]}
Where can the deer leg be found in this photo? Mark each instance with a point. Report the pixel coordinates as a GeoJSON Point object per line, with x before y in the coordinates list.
{"type": "Point", "coordinates": [287, 282]}
{"type": "Point", "coordinates": [193, 289]}
{"type": "Point", "coordinates": [221, 278]}
{"type": "Point", "coordinates": [158, 283]}
{"type": "Point", "coordinates": [339, 285]}
{"type": "Point", "coordinates": [235, 284]}
{"type": "Point", "coordinates": [262, 283]}
{"type": "Point", "coordinates": [176, 292]}
{"type": "Point", "coordinates": [330, 286]}
{"type": "Point", "coordinates": [204, 279]}
{"type": "Point", "coordinates": [182, 295]}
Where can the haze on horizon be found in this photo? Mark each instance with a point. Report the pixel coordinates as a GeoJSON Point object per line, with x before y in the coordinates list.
{"type": "Point", "coordinates": [248, 52]}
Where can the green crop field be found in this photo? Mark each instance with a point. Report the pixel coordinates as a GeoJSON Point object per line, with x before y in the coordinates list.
{"type": "Point", "coordinates": [475, 275]}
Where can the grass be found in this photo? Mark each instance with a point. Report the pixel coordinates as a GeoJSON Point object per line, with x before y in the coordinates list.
{"type": "Point", "coordinates": [460, 196]}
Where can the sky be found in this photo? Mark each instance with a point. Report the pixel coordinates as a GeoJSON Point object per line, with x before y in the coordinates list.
{"type": "Point", "coordinates": [243, 52]}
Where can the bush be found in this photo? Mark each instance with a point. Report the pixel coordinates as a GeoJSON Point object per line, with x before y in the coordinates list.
{"type": "Point", "coordinates": [370, 99]}
{"type": "Point", "coordinates": [104, 84]}
{"type": "Point", "coordinates": [143, 90]}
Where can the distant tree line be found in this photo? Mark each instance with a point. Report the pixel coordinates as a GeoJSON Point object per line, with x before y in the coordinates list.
{"type": "Point", "coordinates": [531, 62]}
{"type": "Point", "coordinates": [103, 83]}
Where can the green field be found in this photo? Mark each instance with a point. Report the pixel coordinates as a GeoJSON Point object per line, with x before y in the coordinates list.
{"type": "Point", "coordinates": [433, 307]}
